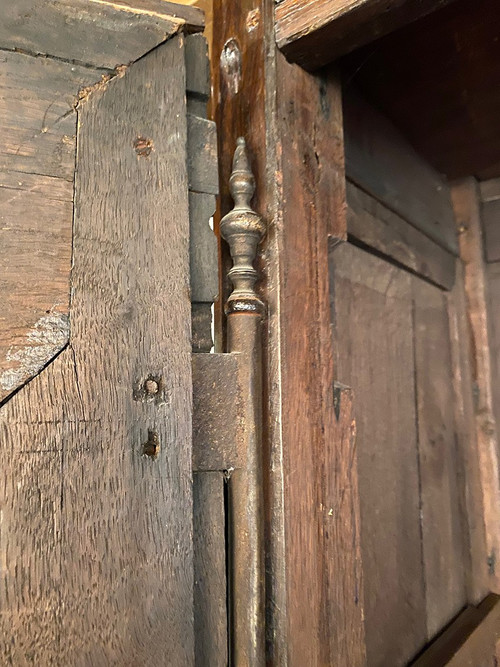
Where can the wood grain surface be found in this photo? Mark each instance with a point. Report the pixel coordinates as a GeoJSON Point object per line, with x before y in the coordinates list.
{"type": "Point", "coordinates": [387, 233]}
{"type": "Point", "coordinates": [442, 530]}
{"type": "Point", "coordinates": [373, 333]}
{"type": "Point", "coordinates": [97, 538]}
{"type": "Point", "coordinates": [292, 125]}
{"type": "Point", "coordinates": [100, 33]}
{"type": "Point", "coordinates": [381, 162]}
{"type": "Point", "coordinates": [465, 195]}
{"type": "Point", "coordinates": [443, 97]}
{"type": "Point", "coordinates": [210, 618]}
{"type": "Point", "coordinates": [314, 33]}
{"type": "Point", "coordinates": [468, 455]}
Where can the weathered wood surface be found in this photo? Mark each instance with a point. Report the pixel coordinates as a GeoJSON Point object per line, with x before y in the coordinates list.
{"type": "Point", "coordinates": [470, 641]}
{"type": "Point", "coordinates": [493, 284]}
{"type": "Point", "coordinates": [442, 533]}
{"type": "Point", "coordinates": [35, 261]}
{"type": "Point", "coordinates": [381, 162]}
{"type": "Point", "coordinates": [490, 190]}
{"type": "Point", "coordinates": [93, 571]}
{"type": "Point", "coordinates": [38, 98]}
{"type": "Point", "coordinates": [442, 97]}
{"type": "Point", "coordinates": [466, 205]}
{"type": "Point", "coordinates": [316, 634]}
{"type": "Point", "coordinates": [100, 33]}
{"type": "Point", "coordinates": [468, 458]}
{"type": "Point", "coordinates": [314, 33]}
{"type": "Point", "coordinates": [210, 622]}
{"type": "Point", "coordinates": [490, 213]}
{"type": "Point", "coordinates": [278, 108]}
{"type": "Point", "coordinates": [340, 536]}
{"type": "Point", "coordinates": [203, 183]}
{"type": "Point", "coordinates": [373, 333]}
{"type": "Point", "coordinates": [378, 227]}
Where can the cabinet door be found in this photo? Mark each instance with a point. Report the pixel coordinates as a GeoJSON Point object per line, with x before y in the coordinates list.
{"type": "Point", "coordinates": [95, 425]}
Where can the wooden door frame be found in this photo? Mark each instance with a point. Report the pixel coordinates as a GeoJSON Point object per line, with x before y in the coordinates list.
{"type": "Point", "coordinates": [314, 584]}
{"type": "Point", "coordinates": [292, 121]}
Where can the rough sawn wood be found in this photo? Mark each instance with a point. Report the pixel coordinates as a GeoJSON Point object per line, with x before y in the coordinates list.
{"type": "Point", "coordinates": [97, 536]}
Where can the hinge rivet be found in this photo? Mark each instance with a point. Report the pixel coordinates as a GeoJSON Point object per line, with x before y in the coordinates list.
{"type": "Point", "coordinates": [152, 446]}
{"type": "Point", "coordinates": [151, 387]}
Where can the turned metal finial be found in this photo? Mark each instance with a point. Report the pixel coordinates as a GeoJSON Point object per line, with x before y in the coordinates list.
{"type": "Point", "coordinates": [243, 229]}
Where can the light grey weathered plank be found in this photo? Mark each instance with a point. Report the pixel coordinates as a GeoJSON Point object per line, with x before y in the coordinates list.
{"type": "Point", "coordinates": [100, 33]}
{"type": "Point", "coordinates": [123, 592]}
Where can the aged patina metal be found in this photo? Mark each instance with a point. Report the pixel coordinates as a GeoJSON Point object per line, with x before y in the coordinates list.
{"type": "Point", "coordinates": [243, 229]}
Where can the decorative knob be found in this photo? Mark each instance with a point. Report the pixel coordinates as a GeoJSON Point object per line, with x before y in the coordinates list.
{"type": "Point", "coordinates": [243, 229]}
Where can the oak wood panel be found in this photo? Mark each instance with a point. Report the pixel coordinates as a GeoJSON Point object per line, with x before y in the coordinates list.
{"type": "Point", "coordinates": [386, 232]}
{"type": "Point", "coordinates": [38, 97]}
{"type": "Point", "coordinates": [442, 530]}
{"type": "Point", "coordinates": [466, 205]}
{"type": "Point", "coordinates": [35, 260]}
{"type": "Point", "coordinates": [341, 499]}
{"type": "Point", "coordinates": [469, 641]}
{"type": "Point", "coordinates": [37, 159]}
{"type": "Point", "coordinates": [278, 108]}
{"type": "Point", "coordinates": [490, 214]}
{"type": "Point", "coordinates": [483, 646]}
{"type": "Point", "coordinates": [210, 622]}
{"type": "Point", "coordinates": [490, 189]}
{"type": "Point", "coordinates": [101, 33]}
{"type": "Point", "coordinates": [314, 33]}
{"type": "Point", "coordinates": [126, 574]}
{"type": "Point", "coordinates": [493, 285]}
{"type": "Point", "coordinates": [468, 459]}
{"type": "Point", "coordinates": [381, 162]}
{"type": "Point", "coordinates": [309, 422]}
{"type": "Point", "coordinates": [444, 96]}
{"type": "Point", "coordinates": [373, 332]}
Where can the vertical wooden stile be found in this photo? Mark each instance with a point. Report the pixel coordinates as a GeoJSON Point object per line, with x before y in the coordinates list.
{"type": "Point", "coordinates": [465, 195]}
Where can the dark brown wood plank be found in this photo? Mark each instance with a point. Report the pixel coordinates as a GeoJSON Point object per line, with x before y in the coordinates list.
{"type": "Point", "coordinates": [314, 33]}
{"type": "Point", "coordinates": [482, 647]}
{"type": "Point", "coordinates": [468, 459]}
{"type": "Point", "coordinates": [465, 197]}
{"type": "Point", "coordinates": [98, 33]}
{"type": "Point", "coordinates": [202, 155]}
{"type": "Point", "coordinates": [490, 190]}
{"type": "Point", "coordinates": [490, 214]}
{"type": "Point", "coordinates": [278, 108]}
{"type": "Point", "coordinates": [203, 249]}
{"type": "Point", "coordinates": [210, 618]}
{"type": "Point", "coordinates": [381, 162]}
{"type": "Point", "coordinates": [444, 97]}
{"type": "Point", "coordinates": [315, 636]}
{"type": "Point", "coordinates": [493, 285]}
{"type": "Point", "coordinates": [35, 261]}
{"type": "Point", "coordinates": [442, 531]}
{"type": "Point", "coordinates": [470, 641]}
{"type": "Point", "coordinates": [341, 536]}
{"type": "Point", "coordinates": [127, 572]}
{"type": "Point", "coordinates": [373, 332]}
{"type": "Point", "coordinates": [386, 232]}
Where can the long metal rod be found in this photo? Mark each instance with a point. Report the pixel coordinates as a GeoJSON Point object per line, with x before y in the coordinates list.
{"type": "Point", "coordinates": [243, 229]}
